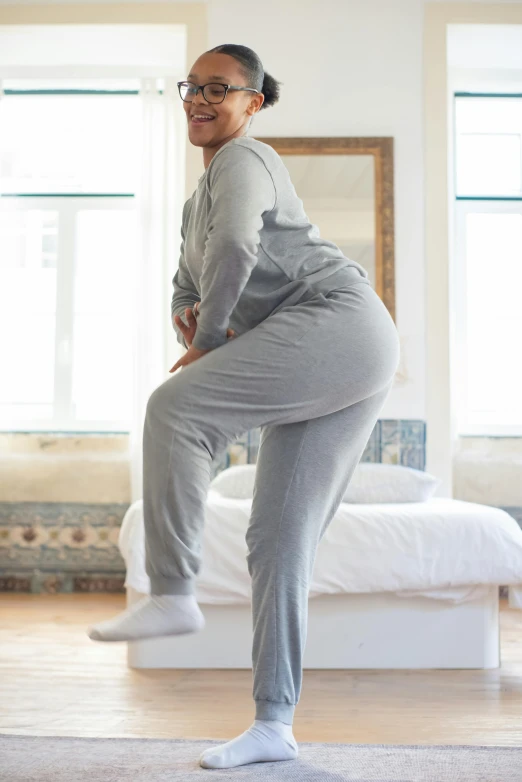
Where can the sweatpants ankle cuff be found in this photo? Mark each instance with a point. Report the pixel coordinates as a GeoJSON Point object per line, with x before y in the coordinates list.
{"type": "Point", "coordinates": [171, 585]}
{"type": "Point", "coordinates": [275, 710]}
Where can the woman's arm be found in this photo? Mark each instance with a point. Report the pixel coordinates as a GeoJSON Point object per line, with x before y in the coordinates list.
{"type": "Point", "coordinates": [185, 293]}
{"type": "Point", "coordinates": [242, 190]}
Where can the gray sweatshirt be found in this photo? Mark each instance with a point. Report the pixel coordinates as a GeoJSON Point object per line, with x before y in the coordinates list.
{"type": "Point", "coordinates": [248, 248]}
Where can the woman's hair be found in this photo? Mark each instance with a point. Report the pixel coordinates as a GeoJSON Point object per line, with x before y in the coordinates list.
{"type": "Point", "coordinates": [252, 70]}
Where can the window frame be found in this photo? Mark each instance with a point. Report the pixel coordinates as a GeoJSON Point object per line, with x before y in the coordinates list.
{"type": "Point", "coordinates": [462, 206]}
{"type": "Point", "coordinates": [67, 206]}
{"type": "Point", "coordinates": [466, 426]}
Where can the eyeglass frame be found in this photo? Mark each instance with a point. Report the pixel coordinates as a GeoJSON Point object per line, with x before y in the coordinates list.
{"type": "Point", "coordinates": [202, 88]}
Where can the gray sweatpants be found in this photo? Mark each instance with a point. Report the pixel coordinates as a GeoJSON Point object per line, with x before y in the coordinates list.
{"type": "Point", "coordinates": [314, 376]}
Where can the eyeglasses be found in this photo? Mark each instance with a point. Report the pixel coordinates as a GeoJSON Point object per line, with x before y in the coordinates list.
{"type": "Point", "coordinates": [213, 92]}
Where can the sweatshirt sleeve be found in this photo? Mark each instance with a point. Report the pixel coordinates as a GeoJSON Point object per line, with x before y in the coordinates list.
{"type": "Point", "coordinates": [185, 293]}
{"type": "Point", "coordinates": [242, 191]}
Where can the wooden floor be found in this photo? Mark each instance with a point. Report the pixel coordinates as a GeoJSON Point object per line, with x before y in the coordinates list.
{"type": "Point", "coordinates": [55, 681]}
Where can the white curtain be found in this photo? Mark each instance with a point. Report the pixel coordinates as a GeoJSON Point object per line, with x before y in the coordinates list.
{"type": "Point", "coordinates": [160, 199]}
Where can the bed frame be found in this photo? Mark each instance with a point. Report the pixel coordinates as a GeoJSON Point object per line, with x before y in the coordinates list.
{"type": "Point", "coordinates": [345, 631]}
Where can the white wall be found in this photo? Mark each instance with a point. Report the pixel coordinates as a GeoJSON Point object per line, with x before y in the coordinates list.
{"type": "Point", "coordinates": [374, 50]}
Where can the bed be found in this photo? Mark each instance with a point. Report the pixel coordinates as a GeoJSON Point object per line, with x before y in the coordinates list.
{"type": "Point", "coordinates": [404, 585]}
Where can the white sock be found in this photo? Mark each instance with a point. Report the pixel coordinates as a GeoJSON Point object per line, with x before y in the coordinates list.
{"type": "Point", "coordinates": [265, 740]}
{"type": "Point", "coordinates": [152, 616]}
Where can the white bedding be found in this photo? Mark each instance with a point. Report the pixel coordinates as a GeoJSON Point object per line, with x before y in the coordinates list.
{"type": "Point", "coordinates": [441, 548]}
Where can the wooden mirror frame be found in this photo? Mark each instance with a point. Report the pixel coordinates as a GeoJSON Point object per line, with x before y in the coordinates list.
{"type": "Point", "coordinates": [382, 150]}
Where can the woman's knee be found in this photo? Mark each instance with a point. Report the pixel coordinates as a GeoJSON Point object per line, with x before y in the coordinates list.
{"type": "Point", "coordinates": [171, 395]}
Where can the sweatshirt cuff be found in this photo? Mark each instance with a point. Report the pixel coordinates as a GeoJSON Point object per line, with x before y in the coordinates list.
{"type": "Point", "coordinates": [208, 340]}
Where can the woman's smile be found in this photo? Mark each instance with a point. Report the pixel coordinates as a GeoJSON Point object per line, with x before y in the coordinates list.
{"type": "Point", "coordinates": [199, 118]}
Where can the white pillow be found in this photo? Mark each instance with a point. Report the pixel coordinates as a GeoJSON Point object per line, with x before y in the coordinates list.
{"type": "Point", "coordinates": [374, 482]}
{"type": "Point", "coordinates": [236, 482]}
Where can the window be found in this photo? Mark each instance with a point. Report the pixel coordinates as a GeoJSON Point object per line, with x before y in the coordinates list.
{"type": "Point", "coordinates": [488, 225]}
{"type": "Point", "coordinates": [68, 173]}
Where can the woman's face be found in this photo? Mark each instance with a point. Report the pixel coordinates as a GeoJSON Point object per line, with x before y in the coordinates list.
{"type": "Point", "coordinates": [230, 117]}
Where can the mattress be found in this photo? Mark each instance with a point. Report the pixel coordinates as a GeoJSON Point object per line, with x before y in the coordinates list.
{"type": "Point", "coordinates": [443, 548]}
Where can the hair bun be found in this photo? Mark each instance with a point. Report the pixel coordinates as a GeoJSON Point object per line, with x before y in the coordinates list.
{"type": "Point", "coordinates": [270, 90]}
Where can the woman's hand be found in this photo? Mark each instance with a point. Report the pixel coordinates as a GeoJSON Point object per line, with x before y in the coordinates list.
{"type": "Point", "coordinates": [191, 355]}
{"type": "Point", "coordinates": [189, 332]}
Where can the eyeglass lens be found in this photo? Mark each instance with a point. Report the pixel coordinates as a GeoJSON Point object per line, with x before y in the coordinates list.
{"type": "Point", "coordinates": [213, 93]}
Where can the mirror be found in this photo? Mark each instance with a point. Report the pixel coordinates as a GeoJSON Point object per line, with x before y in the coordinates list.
{"type": "Point", "coordinates": [338, 196]}
{"type": "Point", "coordinates": [346, 185]}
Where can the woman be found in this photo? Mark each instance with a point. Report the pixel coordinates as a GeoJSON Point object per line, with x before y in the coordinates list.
{"type": "Point", "coordinates": [285, 333]}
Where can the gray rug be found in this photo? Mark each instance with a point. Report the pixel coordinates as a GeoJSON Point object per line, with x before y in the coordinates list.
{"type": "Point", "coordinates": [72, 759]}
